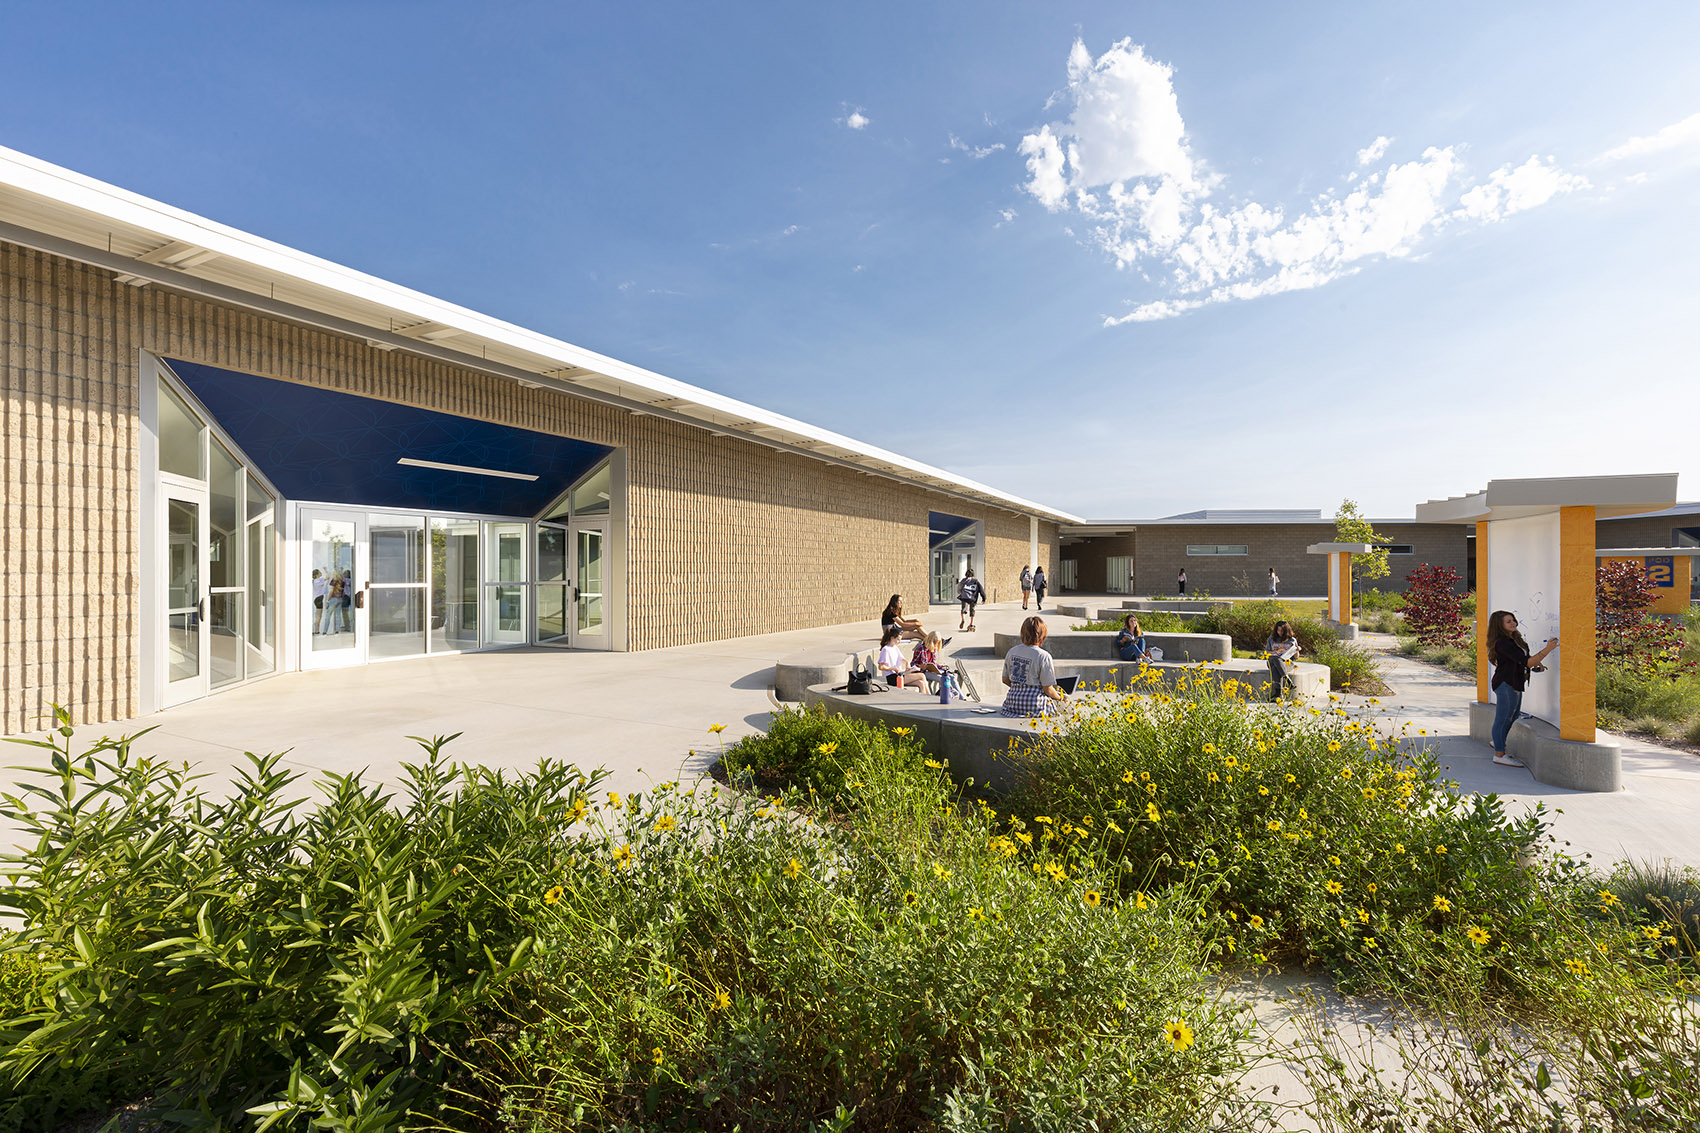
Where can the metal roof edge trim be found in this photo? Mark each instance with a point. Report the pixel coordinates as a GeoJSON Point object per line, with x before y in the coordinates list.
{"type": "Point", "coordinates": [75, 190]}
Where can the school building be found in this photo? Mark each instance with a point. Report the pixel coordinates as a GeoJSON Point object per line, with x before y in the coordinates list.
{"type": "Point", "coordinates": [227, 459]}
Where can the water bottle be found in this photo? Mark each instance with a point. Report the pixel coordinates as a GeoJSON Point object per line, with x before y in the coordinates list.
{"type": "Point", "coordinates": [944, 687]}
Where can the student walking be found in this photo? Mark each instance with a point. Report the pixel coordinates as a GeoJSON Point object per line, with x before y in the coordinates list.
{"type": "Point", "coordinates": [1180, 583]}
{"type": "Point", "coordinates": [970, 593]}
{"type": "Point", "coordinates": [1026, 586]}
{"type": "Point", "coordinates": [1040, 585]}
{"type": "Point", "coordinates": [1274, 583]}
{"type": "Point", "coordinates": [1512, 665]}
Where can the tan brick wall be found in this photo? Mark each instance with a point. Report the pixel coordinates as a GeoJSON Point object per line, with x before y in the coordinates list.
{"type": "Point", "coordinates": [1162, 553]}
{"type": "Point", "coordinates": [725, 537]}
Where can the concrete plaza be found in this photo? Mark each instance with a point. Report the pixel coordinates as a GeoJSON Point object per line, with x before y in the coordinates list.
{"type": "Point", "coordinates": [645, 717]}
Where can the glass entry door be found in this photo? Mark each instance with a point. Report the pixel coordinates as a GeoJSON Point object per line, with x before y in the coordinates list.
{"type": "Point", "coordinates": [590, 544]}
{"type": "Point", "coordinates": [504, 583]}
{"type": "Point", "coordinates": [333, 631]}
{"type": "Point", "coordinates": [553, 593]}
{"type": "Point", "coordinates": [187, 637]}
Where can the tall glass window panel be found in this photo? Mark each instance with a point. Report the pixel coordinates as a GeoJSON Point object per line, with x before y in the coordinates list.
{"type": "Point", "coordinates": [331, 559]}
{"type": "Point", "coordinates": [225, 536]}
{"type": "Point", "coordinates": [454, 584]}
{"type": "Point", "coordinates": [552, 583]}
{"type": "Point", "coordinates": [224, 623]}
{"type": "Point", "coordinates": [398, 548]}
{"type": "Point", "coordinates": [590, 496]}
{"type": "Point", "coordinates": [590, 582]}
{"type": "Point", "coordinates": [179, 436]}
{"type": "Point", "coordinates": [183, 590]}
{"type": "Point", "coordinates": [262, 596]}
{"type": "Point", "coordinates": [397, 621]}
{"type": "Point", "coordinates": [504, 590]}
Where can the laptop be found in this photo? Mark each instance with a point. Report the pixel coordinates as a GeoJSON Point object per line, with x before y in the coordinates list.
{"type": "Point", "coordinates": [1067, 684]}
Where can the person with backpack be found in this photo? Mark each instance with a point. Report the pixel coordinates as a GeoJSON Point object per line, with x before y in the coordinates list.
{"type": "Point", "coordinates": [1026, 586]}
{"type": "Point", "coordinates": [1040, 585]}
{"type": "Point", "coordinates": [970, 593]}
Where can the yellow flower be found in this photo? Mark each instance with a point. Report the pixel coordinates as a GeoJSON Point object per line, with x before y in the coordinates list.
{"type": "Point", "coordinates": [940, 872]}
{"type": "Point", "coordinates": [716, 729]}
{"type": "Point", "coordinates": [1478, 935]}
{"type": "Point", "coordinates": [1274, 824]}
{"type": "Point", "coordinates": [1335, 888]}
{"type": "Point", "coordinates": [1333, 745]}
{"type": "Point", "coordinates": [1145, 775]}
{"type": "Point", "coordinates": [613, 798]}
{"type": "Point", "coordinates": [1369, 943]}
{"type": "Point", "coordinates": [1139, 901]}
{"type": "Point", "coordinates": [657, 1057]}
{"type": "Point", "coordinates": [1127, 776]}
{"type": "Point", "coordinates": [1153, 813]}
{"type": "Point", "coordinates": [1254, 921]}
{"type": "Point", "coordinates": [1215, 778]}
{"type": "Point", "coordinates": [623, 856]}
{"type": "Point", "coordinates": [1230, 761]}
{"type": "Point", "coordinates": [1026, 838]}
{"type": "Point", "coordinates": [1577, 968]}
{"type": "Point", "coordinates": [1608, 898]}
{"type": "Point", "coordinates": [910, 897]}
{"type": "Point", "coordinates": [1111, 827]}
{"type": "Point", "coordinates": [722, 1001]}
{"type": "Point", "coordinates": [976, 914]}
{"type": "Point", "coordinates": [1363, 915]}
{"type": "Point", "coordinates": [1370, 887]}
{"type": "Point", "coordinates": [903, 731]}
{"type": "Point", "coordinates": [1092, 897]}
{"type": "Point", "coordinates": [1045, 818]}
{"type": "Point", "coordinates": [1440, 849]}
{"type": "Point", "coordinates": [793, 868]}
{"type": "Point", "coordinates": [1209, 749]}
{"type": "Point", "coordinates": [1345, 773]}
{"type": "Point", "coordinates": [827, 748]}
{"type": "Point", "coordinates": [934, 764]}
{"type": "Point", "coordinates": [1292, 778]}
{"type": "Point", "coordinates": [1651, 932]}
{"type": "Point", "coordinates": [552, 894]}
{"type": "Point", "coordinates": [665, 823]}
{"type": "Point", "coordinates": [1178, 1034]}
{"type": "Point", "coordinates": [1263, 790]}
{"type": "Point", "coordinates": [1398, 847]}
{"type": "Point", "coordinates": [1442, 905]}
{"type": "Point", "coordinates": [1333, 859]}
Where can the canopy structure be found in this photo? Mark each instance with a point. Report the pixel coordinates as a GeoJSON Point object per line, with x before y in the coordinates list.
{"type": "Point", "coordinates": [1340, 576]}
{"type": "Point", "coordinates": [1535, 557]}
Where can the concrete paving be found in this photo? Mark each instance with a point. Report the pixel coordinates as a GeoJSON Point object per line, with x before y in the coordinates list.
{"type": "Point", "coordinates": [645, 717]}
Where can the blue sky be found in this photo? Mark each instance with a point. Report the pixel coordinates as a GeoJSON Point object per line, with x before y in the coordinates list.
{"type": "Point", "coordinates": [1126, 259]}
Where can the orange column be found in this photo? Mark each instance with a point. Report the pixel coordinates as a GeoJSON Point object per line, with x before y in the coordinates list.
{"type": "Point", "coordinates": [1575, 623]}
{"type": "Point", "coordinates": [1344, 582]}
{"type": "Point", "coordinates": [1484, 664]}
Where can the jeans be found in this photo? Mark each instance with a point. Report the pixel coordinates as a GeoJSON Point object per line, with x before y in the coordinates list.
{"type": "Point", "coordinates": [1280, 681]}
{"type": "Point", "coordinates": [1507, 703]}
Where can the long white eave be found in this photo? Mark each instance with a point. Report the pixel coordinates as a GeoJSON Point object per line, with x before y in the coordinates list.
{"type": "Point", "coordinates": [207, 249]}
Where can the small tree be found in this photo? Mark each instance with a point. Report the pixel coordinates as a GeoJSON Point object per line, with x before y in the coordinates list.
{"type": "Point", "coordinates": [1351, 527]}
{"type": "Point", "coordinates": [1626, 634]}
{"type": "Point", "coordinates": [1433, 609]}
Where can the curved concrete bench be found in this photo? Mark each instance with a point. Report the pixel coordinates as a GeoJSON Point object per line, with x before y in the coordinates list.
{"type": "Point", "coordinates": [1117, 613]}
{"type": "Point", "coordinates": [1099, 645]}
{"type": "Point", "coordinates": [1310, 680]}
{"type": "Point", "coordinates": [1071, 611]}
{"type": "Point", "coordinates": [826, 666]}
{"type": "Point", "coordinates": [1174, 605]}
{"type": "Point", "coordinates": [1553, 760]}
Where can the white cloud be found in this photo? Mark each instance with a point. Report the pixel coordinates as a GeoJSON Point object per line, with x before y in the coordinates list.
{"type": "Point", "coordinates": [975, 152]}
{"type": "Point", "coordinates": [1374, 151]}
{"type": "Point", "coordinates": [853, 118]}
{"type": "Point", "coordinates": [789, 230]}
{"type": "Point", "coordinates": [1685, 132]}
{"type": "Point", "coordinates": [1511, 190]}
{"type": "Point", "coordinates": [1007, 217]}
{"type": "Point", "coordinates": [1122, 161]}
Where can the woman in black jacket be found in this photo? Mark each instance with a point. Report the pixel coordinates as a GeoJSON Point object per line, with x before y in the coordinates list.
{"type": "Point", "coordinates": [1512, 665]}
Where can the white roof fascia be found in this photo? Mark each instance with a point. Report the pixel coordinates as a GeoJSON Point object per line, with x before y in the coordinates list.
{"type": "Point", "coordinates": [1609, 496]}
{"type": "Point", "coordinates": [66, 187]}
{"type": "Point", "coordinates": [1644, 552]}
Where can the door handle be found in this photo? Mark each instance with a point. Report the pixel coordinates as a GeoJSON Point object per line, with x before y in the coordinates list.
{"type": "Point", "coordinates": [360, 597]}
{"type": "Point", "coordinates": [201, 609]}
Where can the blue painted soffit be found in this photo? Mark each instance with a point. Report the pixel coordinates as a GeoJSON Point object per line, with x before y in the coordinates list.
{"type": "Point", "coordinates": [943, 526]}
{"type": "Point", "coordinates": [321, 445]}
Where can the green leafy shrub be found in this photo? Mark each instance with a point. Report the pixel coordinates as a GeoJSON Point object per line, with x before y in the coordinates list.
{"type": "Point", "coordinates": [713, 965]}
{"type": "Point", "coordinates": [1662, 898]}
{"type": "Point", "coordinates": [1373, 599]}
{"type": "Point", "coordinates": [1314, 839]}
{"type": "Point", "coordinates": [306, 962]}
{"type": "Point", "coordinates": [1154, 621]}
{"type": "Point", "coordinates": [1630, 691]}
{"type": "Point", "coordinates": [1351, 666]}
{"type": "Point", "coordinates": [1250, 624]}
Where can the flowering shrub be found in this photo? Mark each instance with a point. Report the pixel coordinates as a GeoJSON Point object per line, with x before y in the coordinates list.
{"type": "Point", "coordinates": [1627, 636]}
{"type": "Point", "coordinates": [1433, 608]}
{"type": "Point", "coordinates": [1312, 837]}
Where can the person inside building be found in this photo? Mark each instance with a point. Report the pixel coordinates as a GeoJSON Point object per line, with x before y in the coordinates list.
{"type": "Point", "coordinates": [909, 628]}
{"type": "Point", "coordinates": [1031, 675]}
{"type": "Point", "coordinates": [970, 593]}
{"type": "Point", "coordinates": [1512, 664]}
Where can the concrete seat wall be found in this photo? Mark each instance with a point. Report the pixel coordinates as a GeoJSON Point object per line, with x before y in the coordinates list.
{"type": "Point", "coordinates": [1558, 762]}
{"type": "Point", "coordinates": [1099, 644]}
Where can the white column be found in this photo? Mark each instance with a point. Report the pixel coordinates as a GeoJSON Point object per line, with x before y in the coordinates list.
{"type": "Point", "coordinates": [1033, 542]}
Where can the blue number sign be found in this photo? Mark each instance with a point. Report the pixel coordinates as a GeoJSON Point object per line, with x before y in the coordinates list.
{"type": "Point", "coordinates": [1661, 570]}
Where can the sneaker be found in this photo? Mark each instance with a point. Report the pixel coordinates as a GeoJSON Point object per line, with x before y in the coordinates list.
{"type": "Point", "coordinates": [1506, 759]}
{"type": "Point", "coordinates": [946, 641]}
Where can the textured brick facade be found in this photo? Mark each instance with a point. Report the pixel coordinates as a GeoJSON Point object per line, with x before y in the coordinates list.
{"type": "Point", "coordinates": [725, 537]}
{"type": "Point", "coordinates": [1159, 552]}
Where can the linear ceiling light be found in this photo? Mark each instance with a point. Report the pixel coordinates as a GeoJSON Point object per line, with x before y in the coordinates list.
{"type": "Point", "coordinates": [412, 463]}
